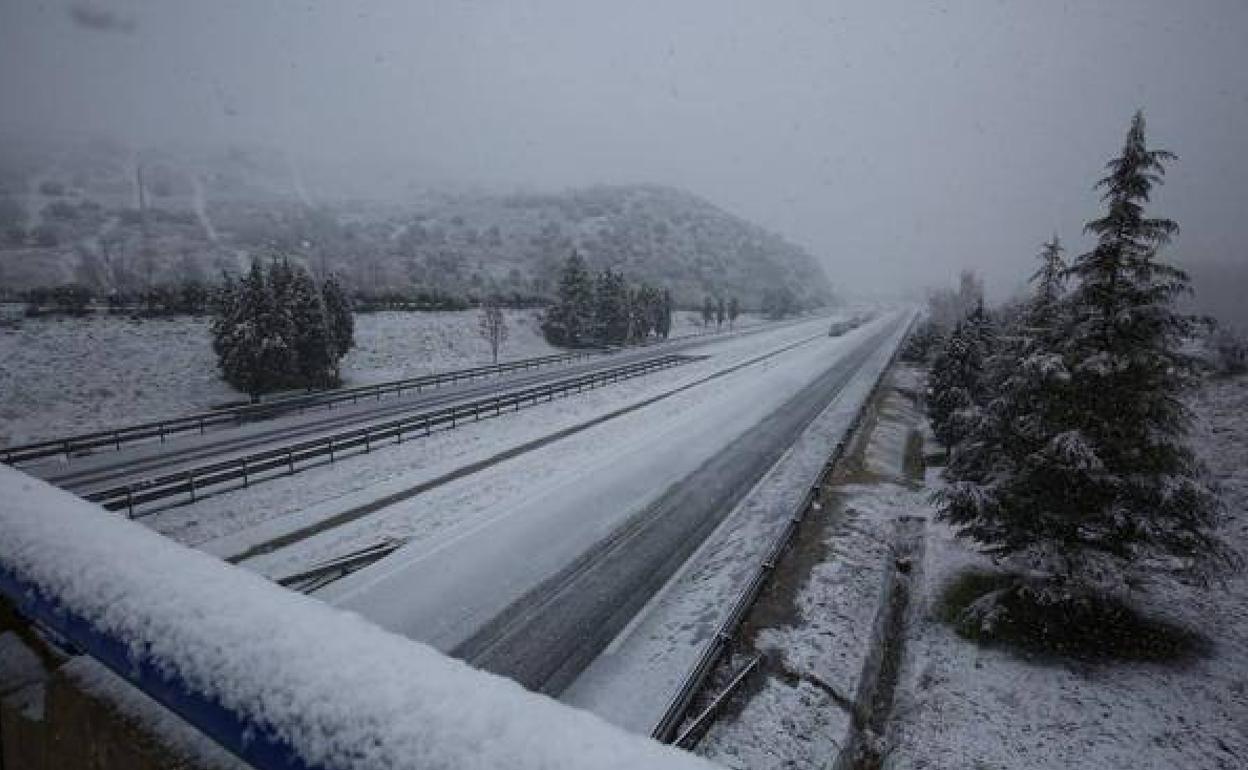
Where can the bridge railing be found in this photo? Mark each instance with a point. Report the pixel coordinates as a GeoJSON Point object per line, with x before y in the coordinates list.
{"type": "Point", "coordinates": [283, 681]}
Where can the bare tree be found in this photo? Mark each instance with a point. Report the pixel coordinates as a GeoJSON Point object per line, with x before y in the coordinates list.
{"type": "Point", "coordinates": [493, 325]}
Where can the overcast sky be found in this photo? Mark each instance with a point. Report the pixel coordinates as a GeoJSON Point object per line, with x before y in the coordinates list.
{"type": "Point", "coordinates": [897, 141]}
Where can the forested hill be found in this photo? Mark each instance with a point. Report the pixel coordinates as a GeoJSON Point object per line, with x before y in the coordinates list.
{"type": "Point", "coordinates": [656, 234]}
{"type": "Point", "coordinates": [78, 217]}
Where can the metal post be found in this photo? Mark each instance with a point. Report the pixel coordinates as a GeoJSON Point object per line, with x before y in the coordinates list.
{"type": "Point", "coordinates": [246, 477]}
{"type": "Point", "coordinates": [192, 487]}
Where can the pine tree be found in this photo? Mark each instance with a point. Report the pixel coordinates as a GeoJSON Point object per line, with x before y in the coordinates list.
{"type": "Point", "coordinates": [341, 318]}
{"type": "Point", "coordinates": [1050, 280]}
{"type": "Point", "coordinates": [708, 311]}
{"type": "Point", "coordinates": [663, 321]}
{"type": "Point", "coordinates": [569, 321]}
{"type": "Point", "coordinates": [252, 337]}
{"type": "Point", "coordinates": [721, 312]}
{"type": "Point", "coordinates": [956, 384]}
{"type": "Point", "coordinates": [734, 310]}
{"type": "Point", "coordinates": [1080, 471]}
{"type": "Point", "coordinates": [316, 353]}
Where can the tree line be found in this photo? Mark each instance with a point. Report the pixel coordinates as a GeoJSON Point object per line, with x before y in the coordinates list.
{"type": "Point", "coordinates": [275, 329]}
{"type": "Point", "coordinates": [603, 309]}
{"type": "Point", "coordinates": [1063, 414]}
{"type": "Point", "coordinates": [184, 298]}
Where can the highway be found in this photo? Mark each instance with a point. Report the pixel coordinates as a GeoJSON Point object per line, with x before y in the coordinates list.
{"type": "Point", "coordinates": [535, 590]}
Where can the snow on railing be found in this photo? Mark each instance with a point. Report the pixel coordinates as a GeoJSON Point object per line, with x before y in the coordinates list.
{"type": "Point", "coordinates": [280, 679]}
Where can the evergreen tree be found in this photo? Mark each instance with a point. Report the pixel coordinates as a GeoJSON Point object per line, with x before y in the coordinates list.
{"type": "Point", "coordinates": [956, 383]}
{"type": "Point", "coordinates": [663, 320]}
{"type": "Point", "coordinates": [721, 312]}
{"type": "Point", "coordinates": [316, 353]}
{"type": "Point", "coordinates": [341, 318]}
{"type": "Point", "coordinates": [569, 321]}
{"type": "Point", "coordinates": [734, 310]}
{"type": "Point", "coordinates": [1050, 280]}
{"type": "Point", "coordinates": [252, 337]}
{"type": "Point", "coordinates": [708, 311]}
{"type": "Point", "coordinates": [1078, 469]}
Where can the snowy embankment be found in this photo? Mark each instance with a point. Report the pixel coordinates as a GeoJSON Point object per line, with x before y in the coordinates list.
{"type": "Point", "coordinates": [962, 705]}
{"type": "Point", "coordinates": [816, 625]}
{"type": "Point", "coordinates": [60, 376]}
{"type": "Point", "coordinates": [342, 692]}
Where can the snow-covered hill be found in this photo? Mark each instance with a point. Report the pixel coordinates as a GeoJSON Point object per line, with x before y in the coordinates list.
{"type": "Point", "coordinates": [76, 215]}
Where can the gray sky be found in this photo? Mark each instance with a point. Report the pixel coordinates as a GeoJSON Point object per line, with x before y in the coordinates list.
{"type": "Point", "coordinates": [897, 141]}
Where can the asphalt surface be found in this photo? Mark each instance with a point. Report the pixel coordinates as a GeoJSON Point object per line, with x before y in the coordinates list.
{"type": "Point", "coordinates": [546, 638]}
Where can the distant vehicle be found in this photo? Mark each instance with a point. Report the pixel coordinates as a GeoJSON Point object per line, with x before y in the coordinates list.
{"type": "Point", "coordinates": [845, 325]}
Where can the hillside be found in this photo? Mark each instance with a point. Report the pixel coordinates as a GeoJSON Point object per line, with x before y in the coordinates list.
{"type": "Point", "coordinates": [78, 216]}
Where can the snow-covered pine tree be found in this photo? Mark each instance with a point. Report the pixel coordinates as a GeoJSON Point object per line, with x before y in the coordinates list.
{"type": "Point", "coordinates": [252, 337]}
{"type": "Point", "coordinates": [316, 353]}
{"type": "Point", "coordinates": [569, 321]}
{"type": "Point", "coordinates": [956, 383]}
{"type": "Point", "coordinates": [734, 310]}
{"type": "Point", "coordinates": [1050, 281]}
{"type": "Point", "coordinates": [1085, 473]}
{"type": "Point", "coordinates": [663, 321]}
{"type": "Point", "coordinates": [341, 318]}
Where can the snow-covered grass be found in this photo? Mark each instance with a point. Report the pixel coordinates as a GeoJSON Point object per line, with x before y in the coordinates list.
{"type": "Point", "coordinates": [341, 691]}
{"type": "Point", "coordinates": [60, 376]}
{"type": "Point", "coordinates": [963, 705]}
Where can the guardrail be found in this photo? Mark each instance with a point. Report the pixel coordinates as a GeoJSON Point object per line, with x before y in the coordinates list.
{"type": "Point", "coordinates": [192, 481]}
{"type": "Point", "coordinates": [666, 730]}
{"type": "Point", "coordinates": [115, 438]}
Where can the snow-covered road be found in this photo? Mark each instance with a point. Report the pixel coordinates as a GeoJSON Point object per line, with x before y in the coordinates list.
{"type": "Point", "coordinates": [478, 545]}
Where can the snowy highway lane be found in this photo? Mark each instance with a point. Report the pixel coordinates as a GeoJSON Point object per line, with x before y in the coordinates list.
{"type": "Point", "coordinates": [547, 555]}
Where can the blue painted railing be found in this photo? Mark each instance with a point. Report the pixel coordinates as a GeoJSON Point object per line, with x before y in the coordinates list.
{"type": "Point", "coordinates": [255, 744]}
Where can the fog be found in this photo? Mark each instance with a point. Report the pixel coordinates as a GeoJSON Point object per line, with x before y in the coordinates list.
{"type": "Point", "coordinates": [897, 142]}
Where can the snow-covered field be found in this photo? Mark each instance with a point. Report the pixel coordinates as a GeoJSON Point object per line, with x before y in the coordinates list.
{"type": "Point", "coordinates": [61, 376]}
{"type": "Point", "coordinates": [966, 706]}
